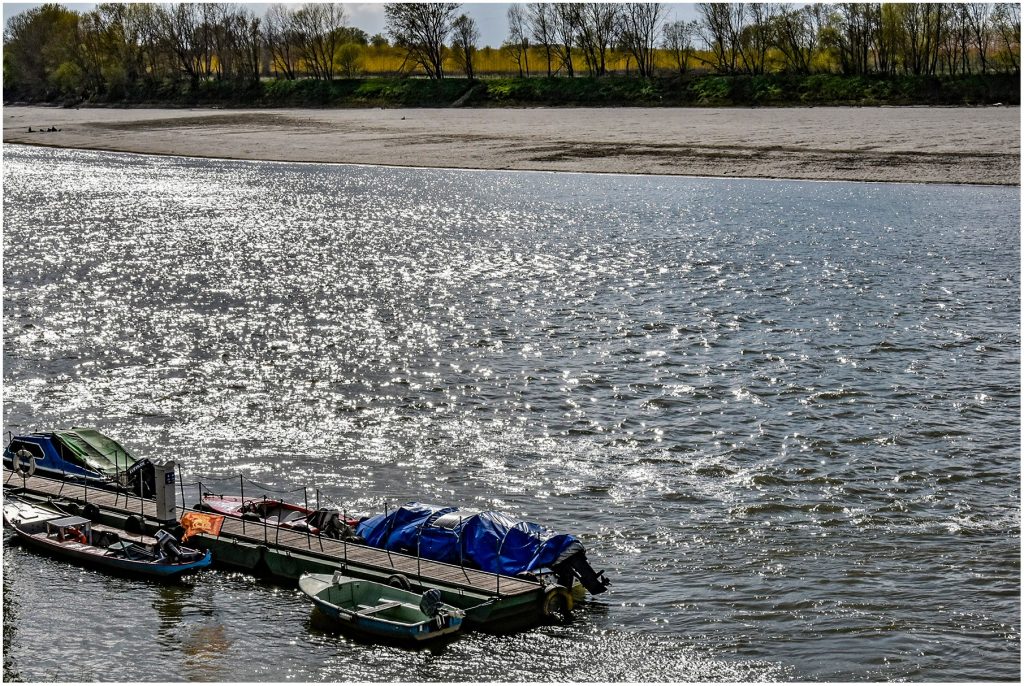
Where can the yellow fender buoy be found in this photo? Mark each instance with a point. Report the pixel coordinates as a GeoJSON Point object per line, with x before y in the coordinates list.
{"type": "Point", "coordinates": [557, 601]}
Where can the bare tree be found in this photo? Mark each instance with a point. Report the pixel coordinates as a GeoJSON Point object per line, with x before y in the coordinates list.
{"type": "Point", "coordinates": [979, 24]}
{"type": "Point", "coordinates": [94, 41]}
{"type": "Point", "coordinates": [851, 34]}
{"type": "Point", "coordinates": [245, 40]}
{"type": "Point", "coordinates": [280, 39]}
{"type": "Point", "coordinates": [180, 25]}
{"type": "Point", "coordinates": [541, 20]}
{"type": "Point", "coordinates": [720, 24]}
{"type": "Point", "coordinates": [756, 34]}
{"type": "Point", "coordinates": [422, 29]}
{"type": "Point", "coordinates": [464, 42]}
{"type": "Point", "coordinates": [317, 30]}
{"type": "Point", "coordinates": [678, 41]}
{"type": "Point", "coordinates": [518, 43]}
{"type": "Point", "coordinates": [921, 24]}
{"type": "Point", "coordinates": [568, 17]}
{"type": "Point", "coordinates": [121, 44]}
{"type": "Point", "coordinates": [597, 30]}
{"type": "Point", "coordinates": [796, 33]}
{"type": "Point", "coordinates": [956, 43]}
{"type": "Point", "coordinates": [639, 23]}
{"type": "Point", "coordinates": [1006, 20]}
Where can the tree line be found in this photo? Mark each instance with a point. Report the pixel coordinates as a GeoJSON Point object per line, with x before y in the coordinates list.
{"type": "Point", "coordinates": [117, 50]}
{"type": "Point", "coordinates": [758, 38]}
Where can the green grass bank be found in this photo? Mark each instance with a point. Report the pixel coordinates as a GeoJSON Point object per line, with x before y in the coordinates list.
{"type": "Point", "coordinates": [615, 91]}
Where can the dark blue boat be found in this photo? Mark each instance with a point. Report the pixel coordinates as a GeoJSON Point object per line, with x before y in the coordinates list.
{"type": "Point", "coordinates": [79, 454]}
{"type": "Point", "coordinates": [490, 541]}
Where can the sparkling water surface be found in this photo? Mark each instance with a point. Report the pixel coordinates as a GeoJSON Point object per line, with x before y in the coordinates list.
{"type": "Point", "coordinates": [783, 416]}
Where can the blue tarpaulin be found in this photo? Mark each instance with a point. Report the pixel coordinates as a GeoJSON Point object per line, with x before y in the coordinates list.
{"type": "Point", "coordinates": [491, 541]}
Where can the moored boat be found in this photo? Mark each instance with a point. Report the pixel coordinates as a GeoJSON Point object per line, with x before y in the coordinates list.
{"type": "Point", "coordinates": [378, 611]}
{"type": "Point", "coordinates": [490, 541]}
{"type": "Point", "coordinates": [323, 522]}
{"type": "Point", "coordinates": [79, 540]}
{"type": "Point", "coordinates": [82, 455]}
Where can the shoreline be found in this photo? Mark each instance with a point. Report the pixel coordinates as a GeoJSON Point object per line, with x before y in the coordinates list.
{"type": "Point", "coordinates": [941, 145]}
{"type": "Point", "coordinates": [392, 165]}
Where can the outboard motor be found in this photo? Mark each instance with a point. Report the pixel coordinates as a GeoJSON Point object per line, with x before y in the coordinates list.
{"type": "Point", "coordinates": [430, 603]}
{"type": "Point", "coordinates": [577, 565]}
{"type": "Point", "coordinates": [167, 545]}
{"type": "Point", "coordinates": [330, 524]}
{"type": "Point", "coordinates": [140, 478]}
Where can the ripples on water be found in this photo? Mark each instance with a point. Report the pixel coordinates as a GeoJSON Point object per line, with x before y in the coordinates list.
{"type": "Point", "coordinates": [784, 416]}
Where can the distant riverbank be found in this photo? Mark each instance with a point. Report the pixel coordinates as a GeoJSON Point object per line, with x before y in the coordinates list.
{"type": "Point", "coordinates": [971, 145]}
{"type": "Point", "coordinates": [691, 90]}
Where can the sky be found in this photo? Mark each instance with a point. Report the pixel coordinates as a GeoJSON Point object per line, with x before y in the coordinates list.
{"type": "Point", "coordinates": [369, 16]}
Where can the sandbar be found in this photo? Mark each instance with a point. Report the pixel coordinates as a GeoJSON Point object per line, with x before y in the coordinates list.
{"type": "Point", "coordinates": [964, 145]}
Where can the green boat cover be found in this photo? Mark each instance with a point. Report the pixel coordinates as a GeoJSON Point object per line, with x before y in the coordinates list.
{"type": "Point", "coordinates": [98, 451]}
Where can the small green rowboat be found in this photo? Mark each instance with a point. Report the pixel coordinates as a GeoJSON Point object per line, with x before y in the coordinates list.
{"type": "Point", "coordinates": [378, 611]}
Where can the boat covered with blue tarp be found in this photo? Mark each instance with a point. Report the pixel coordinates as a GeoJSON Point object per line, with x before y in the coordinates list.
{"type": "Point", "coordinates": [490, 541]}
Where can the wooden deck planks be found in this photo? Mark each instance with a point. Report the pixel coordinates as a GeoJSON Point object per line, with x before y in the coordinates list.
{"type": "Point", "coordinates": [257, 532]}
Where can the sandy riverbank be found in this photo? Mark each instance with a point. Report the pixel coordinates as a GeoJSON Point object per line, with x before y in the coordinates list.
{"type": "Point", "coordinates": [932, 145]}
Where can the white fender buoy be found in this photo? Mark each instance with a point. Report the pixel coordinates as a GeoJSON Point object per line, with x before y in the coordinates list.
{"type": "Point", "coordinates": [25, 464]}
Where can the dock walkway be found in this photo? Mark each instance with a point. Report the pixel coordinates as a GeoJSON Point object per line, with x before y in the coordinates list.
{"type": "Point", "coordinates": [338, 553]}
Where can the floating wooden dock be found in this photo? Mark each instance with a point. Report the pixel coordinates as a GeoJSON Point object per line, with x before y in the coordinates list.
{"type": "Point", "coordinates": [492, 600]}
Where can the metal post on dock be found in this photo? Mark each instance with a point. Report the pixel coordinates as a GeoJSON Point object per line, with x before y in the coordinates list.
{"type": "Point", "coordinates": [277, 527]}
{"type": "Point", "coordinates": [181, 486]}
{"type": "Point", "coordinates": [241, 489]}
{"type": "Point", "coordinates": [305, 502]}
{"type": "Point", "coordinates": [388, 550]}
{"type": "Point", "coordinates": [117, 470]}
{"type": "Point", "coordinates": [462, 561]}
{"type": "Point", "coordinates": [265, 540]}
{"type": "Point", "coordinates": [320, 529]}
{"type": "Point", "coordinates": [419, 573]}
{"type": "Point", "coordinates": [497, 574]}
{"type": "Point", "coordinates": [344, 524]}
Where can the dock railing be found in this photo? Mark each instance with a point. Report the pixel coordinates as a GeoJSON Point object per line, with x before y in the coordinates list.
{"type": "Point", "coordinates": [456, 577]}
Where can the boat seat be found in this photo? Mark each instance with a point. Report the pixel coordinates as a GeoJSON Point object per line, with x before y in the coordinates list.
{"type": "Point", "coordinates": [380, 608]}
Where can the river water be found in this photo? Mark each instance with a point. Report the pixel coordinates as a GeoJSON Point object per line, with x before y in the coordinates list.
{"type": "Point", "coordinates": [784, 417]}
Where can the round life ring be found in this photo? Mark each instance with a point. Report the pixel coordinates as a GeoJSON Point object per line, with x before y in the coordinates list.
{"type": "Point", "coordinates": [557, 602]}
{"type": "Point", "coordinates": [20, 466]}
